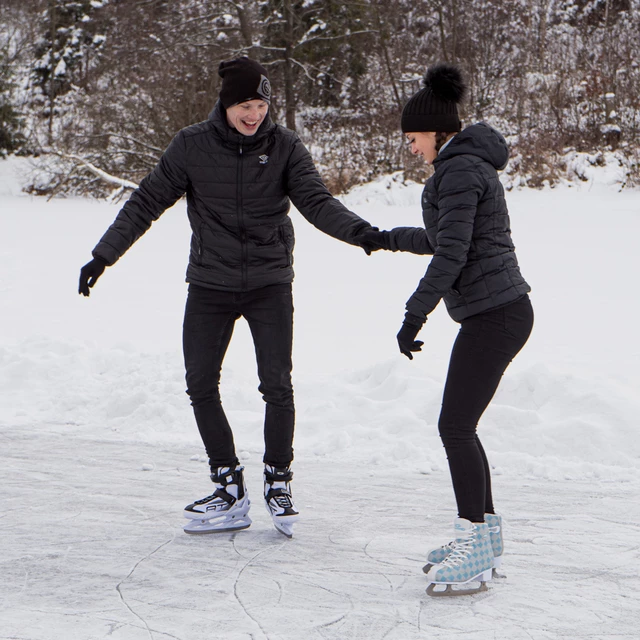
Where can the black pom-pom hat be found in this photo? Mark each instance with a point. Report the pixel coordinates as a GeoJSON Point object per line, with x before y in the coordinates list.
{"type": "Point", "coordinates": [435, 108]}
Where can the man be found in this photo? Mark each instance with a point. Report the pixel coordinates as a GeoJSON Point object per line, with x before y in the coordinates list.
{"type": "Point", "coordinates": [239, 172]}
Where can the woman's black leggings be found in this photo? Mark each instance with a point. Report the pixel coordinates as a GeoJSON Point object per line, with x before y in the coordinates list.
{"type": "Point", "coordinates": [484, 347]}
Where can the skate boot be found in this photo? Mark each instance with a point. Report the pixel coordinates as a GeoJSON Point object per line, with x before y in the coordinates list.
{"type": "Point", "coordinates": [278, 500]}
{"type": "Point", "coordinates": [494, 521]}
{"type": "Point", "coordinates": [471, 560]}
{"type": "Point", "coordinates": [226, 509]}
{"type": "Point", "coordinates": [438, 555]}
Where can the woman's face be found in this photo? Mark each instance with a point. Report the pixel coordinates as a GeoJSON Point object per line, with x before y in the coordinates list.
{"type": "Point", "coordinates": [247, 116]}
{"type": "Point", "coordinates": [423, 143]}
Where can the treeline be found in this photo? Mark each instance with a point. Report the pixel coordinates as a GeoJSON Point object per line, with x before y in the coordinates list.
{"type": "Point", "coordinates": [97, 88]}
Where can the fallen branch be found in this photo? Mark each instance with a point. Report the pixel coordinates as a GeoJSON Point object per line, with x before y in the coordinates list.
{"type": "Point", "coordinates": [103, 175]}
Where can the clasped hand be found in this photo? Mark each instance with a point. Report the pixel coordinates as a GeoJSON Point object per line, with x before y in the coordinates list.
{"type": "Point", "coordinates": [373, 239]}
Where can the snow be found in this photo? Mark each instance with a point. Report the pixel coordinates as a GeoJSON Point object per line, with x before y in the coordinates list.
{"type": "Point", "coordinates": [100, 452]}
{"type": "Point", "coordinates": [61, 68]}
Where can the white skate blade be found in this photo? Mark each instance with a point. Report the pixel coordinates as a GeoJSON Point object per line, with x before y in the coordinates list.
{"type": "Point", "coordinates": [283, 524]}
{"type": "Point", "coordinates": [285, 528]}
{"type": "Point", "coordinates": [497, 563]}
{"type": "Point", "coordinates": [218, 525]}
{"type": "Point", "coordinates": [466, 590]}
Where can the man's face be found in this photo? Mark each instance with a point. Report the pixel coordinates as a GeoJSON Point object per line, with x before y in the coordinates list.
{"type": "Point", "coordinates": [246, 117]}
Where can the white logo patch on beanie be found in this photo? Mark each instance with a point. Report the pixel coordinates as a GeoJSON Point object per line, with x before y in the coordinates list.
{"type": "Point", "coordinates": [264, 88]}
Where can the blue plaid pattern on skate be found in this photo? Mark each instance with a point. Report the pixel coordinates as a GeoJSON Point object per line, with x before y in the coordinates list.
{"type": "Point", "coordinates": [436, 556]}
{"type": "Point", "coordinates": [479, 559]}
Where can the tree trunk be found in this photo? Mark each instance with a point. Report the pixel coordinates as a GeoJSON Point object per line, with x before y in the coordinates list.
{"type": "Point", "coordinates": [246, 29]}
{"type": "Point", "coordinates": [382, 38]}
{"type": "Point", "coordinates": [289, 93]}
{"type": "Point", "coordinates": [52, 89]}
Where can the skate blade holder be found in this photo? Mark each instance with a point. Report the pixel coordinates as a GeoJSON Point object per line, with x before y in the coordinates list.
{"type": "Point", "coordinates": [223, 522]}
{"type": "Point", "coordinates": [465, 590]}
{"type": "Point", "coordinates": [497, 563]}
{"type": "Point", "coordinates": [495, 575]}
{"type": "Point", "coordinates": [217, 525]}
{"type": "Point", "coordinates": [285, 528]}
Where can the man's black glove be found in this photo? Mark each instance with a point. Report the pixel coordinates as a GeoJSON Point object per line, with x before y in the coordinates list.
{"type": "Point", "coordinates": [407, 336]}
{"type": "Point", "coordinates": [89, 275]}
{"type": "Point", "coordinates": [373, 239]}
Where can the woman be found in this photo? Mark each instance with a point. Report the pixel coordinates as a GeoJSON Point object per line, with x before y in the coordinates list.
{"type": "Point", "coordinates": [475, 270]}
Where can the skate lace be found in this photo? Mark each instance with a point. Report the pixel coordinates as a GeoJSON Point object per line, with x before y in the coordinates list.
{"type": "Point", "coordinates": [207, 499]}
{"type": "Point", "coordinates": [283, 500]}
{"type": "Point", "coordinates": [215, 495]}
{"type": "Point", "coordinates": [460, 550]}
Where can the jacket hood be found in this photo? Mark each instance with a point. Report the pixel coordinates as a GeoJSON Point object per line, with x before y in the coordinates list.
{"type": "Point", "coordinates": [479, 140]}
{"type": "Point", "coordinates": [218, 118]}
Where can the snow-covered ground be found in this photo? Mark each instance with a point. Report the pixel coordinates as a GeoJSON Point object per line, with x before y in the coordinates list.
{"type": "Point", "coordinates": [99, 451]}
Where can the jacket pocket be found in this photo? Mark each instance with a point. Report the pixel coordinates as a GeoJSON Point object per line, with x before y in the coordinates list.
{"type": "Point", "coordinates": [197, 242]}
{"type": "Point", "coordinates": [287, 243]}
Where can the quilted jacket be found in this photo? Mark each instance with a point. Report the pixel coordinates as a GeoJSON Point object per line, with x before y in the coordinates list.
{"type": "Point", "coordinates": [467, 230]}
{"type": "Point", "coordinates": [239, 190]}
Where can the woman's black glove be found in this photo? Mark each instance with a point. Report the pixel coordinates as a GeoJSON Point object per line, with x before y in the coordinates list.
{"type": "Point", "coordinates": [89, 275]}
{"type": "Point", "coordinates": [373, 239]}
{"type": "Point", "coordinates": [407, 336]}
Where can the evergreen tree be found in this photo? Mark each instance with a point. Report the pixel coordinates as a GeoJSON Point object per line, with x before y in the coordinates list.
{"type": "Point", "coordinates": [64, 53]}
{"type": "Point", "coordinates": [11, 137]}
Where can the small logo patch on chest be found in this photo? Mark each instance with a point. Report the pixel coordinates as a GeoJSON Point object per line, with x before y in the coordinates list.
{"type": "Point", "coordinates": [263, 159]}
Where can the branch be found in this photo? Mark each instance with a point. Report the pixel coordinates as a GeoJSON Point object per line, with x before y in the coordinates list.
{"type": "Point", "coordinates": [103, 175]}
{"type": "Point", "coordinates": [261, 46]}
{"type": "Point", "coordinates": [306, 72]}
{"type": "Point", "coordinates": [339, 37]}
{"type": "Point", "coordinates": [119, 135]}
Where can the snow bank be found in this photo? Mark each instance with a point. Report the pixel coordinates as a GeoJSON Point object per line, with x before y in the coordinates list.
{"type": "Point", "coordinates": [542, 423]}
{"type": "Point", "coordinates": [110, 367]}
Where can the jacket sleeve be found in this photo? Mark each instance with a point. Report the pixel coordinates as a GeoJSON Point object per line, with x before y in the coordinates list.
{"type": "Point", "coordinates": [156, 193]}
{"type": "Point", "coordinates": [312, 199]}
{"type": "Point", "coordinates": [459, 191]}
{"type": "Point", "coordinates": [410, 240]}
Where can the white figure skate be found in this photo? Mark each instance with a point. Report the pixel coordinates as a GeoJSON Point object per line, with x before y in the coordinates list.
{"type": "Point", "coordinates": [494, 522]}
{"type": "Point", "coordinates": [470, 561]}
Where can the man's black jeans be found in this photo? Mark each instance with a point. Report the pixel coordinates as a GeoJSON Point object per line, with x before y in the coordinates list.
{"type": "Point", "coordinates": [485, 346]}
{"type": "Point", "coordinates": [209, 319]}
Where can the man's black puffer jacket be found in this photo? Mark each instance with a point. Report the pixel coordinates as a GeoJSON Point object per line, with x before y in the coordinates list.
{"type": "Point", "coordinates": [238, 197]}
{"type": "Point", "coordinates": [474, 265]}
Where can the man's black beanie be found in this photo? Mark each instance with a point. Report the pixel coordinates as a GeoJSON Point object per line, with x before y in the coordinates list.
{"type": "Point", "coordinates": [435, 108]}
{"type": "Point", "coordinates": [243, 79]}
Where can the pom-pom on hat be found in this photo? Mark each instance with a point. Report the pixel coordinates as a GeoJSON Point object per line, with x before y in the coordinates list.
{"type": "Point", "coordinates": [243, 79]}
{"type": "Point", "coordinates": [435, 108]}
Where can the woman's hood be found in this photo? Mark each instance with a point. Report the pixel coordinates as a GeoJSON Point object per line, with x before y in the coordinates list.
{"type": "Point", "coordinates": [479, 140]}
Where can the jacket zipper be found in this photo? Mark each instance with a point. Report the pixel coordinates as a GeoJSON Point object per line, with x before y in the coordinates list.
{"type": "Point", "coordinates": [241, 228]}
